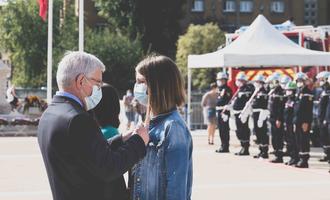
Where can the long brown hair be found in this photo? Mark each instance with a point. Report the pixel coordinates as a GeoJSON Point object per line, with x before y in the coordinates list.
{"type": "Point", "coordinates": [164, 81]}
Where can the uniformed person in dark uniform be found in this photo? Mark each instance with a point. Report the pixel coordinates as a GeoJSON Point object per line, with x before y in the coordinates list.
{"type": "Point", "coordinates": [303, 117]}
{"type": "Point", "coordinates": [260, 114]}
{"type": "Point", "coordinates": [244, 93]}
{"type": "Point", "coordinates": [322, 78]}
{"type": "Point", "coordinates": [285, 79]}
{"type": "Point", "coordinates": [225, 94]}
{"type": "Point", "coordinates": [292, 148]}
{"type": "Point", "coordinates": [276, 108]}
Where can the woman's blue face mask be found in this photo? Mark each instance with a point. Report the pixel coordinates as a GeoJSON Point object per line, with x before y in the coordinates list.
{"type": "Point", "coordinates": [140, 93]}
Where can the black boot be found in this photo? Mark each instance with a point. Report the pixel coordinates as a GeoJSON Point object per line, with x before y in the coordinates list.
{"type": "Point", "coordinates": [326, 158]}
{"type": "Point", "coordinates": [292, 161]}
{"type": "Point", "coordinates": [278, 157]}
{"type": "Point", "coordinates": [303, 162]}
{"type": "Point", "coordinates": [264, 152]}
{"type": "Point", "coordinates": [244, 151]}
{"type": "Point", "coordinates": [277, 160]}
{"type": "Point", "coordinates": [222, 150]}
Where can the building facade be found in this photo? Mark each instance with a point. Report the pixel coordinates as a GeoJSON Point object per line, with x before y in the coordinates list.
{"type": "Point", "coordinates": [232, 14]}
{"type": "Point", "coordinates": [321, 8]}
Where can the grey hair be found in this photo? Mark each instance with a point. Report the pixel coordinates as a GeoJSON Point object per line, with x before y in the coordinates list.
{"type": "Point", "coordinates": [74, 63]}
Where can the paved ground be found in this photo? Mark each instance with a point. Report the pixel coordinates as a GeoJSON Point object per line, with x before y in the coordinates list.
{"type": "Point", "coordinates": [23, 177]}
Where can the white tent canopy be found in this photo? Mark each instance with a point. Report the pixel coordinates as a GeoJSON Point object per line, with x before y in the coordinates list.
{"type": "Point", "coordinates": [260, 45]}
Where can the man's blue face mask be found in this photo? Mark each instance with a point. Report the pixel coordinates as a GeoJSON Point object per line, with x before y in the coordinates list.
{"type": "Point", "coordinates": [95, 98]}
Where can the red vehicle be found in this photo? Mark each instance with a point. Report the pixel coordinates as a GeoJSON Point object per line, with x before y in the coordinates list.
{"type": "Point", "coordinates": [306, 36]}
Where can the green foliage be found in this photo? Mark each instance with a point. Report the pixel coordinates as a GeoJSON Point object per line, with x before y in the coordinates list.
{"type": "Point", "coordinates": [24, 34]}
{"type": "Point", "coordinates": [118, 13]}
{"type": "Point", "coordinates": [199, 39]}
{"type": "Point", "coordinates": [156, 21]}
{"type": "Point", "coordinates": [119, 53]}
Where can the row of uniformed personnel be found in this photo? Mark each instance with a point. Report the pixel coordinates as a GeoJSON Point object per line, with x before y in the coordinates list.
{"type": "Point", "coordinates": [284, 104]}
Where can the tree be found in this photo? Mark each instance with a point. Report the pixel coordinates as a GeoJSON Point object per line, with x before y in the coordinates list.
{"type": "Point", "coordinates": [24, 35]}
{"type": "Point", "coordinates": [119, 53]}
{"type": "Point", "coordinates": [199, 39]}
{"type": "Point", "coordinates": [156, 21]}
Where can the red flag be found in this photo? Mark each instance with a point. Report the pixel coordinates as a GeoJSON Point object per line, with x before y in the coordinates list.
{"type": "Point", "coordinates": [43, 9]}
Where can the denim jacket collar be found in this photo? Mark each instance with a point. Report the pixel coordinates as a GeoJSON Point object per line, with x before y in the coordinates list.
{"type": "Point", "coordinates": [159, 118]}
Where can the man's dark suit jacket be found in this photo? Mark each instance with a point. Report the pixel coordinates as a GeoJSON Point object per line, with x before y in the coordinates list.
{"type": "Point", "coordinates": [80, 163]}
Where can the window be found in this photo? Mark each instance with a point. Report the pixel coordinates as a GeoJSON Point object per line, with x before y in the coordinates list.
{"type": "Point", "coordinates": [229, 6]}
{"type": "Point", "coordinates": [313, 14]}
{"type": "Point", "coordinates": [277, 7]}
{"type": "Point", "coordinates": [313, 5]}
{"type": "Point", "coordinates": [198, 6]}
{"type": "Point", "coordinates": [246, 6]}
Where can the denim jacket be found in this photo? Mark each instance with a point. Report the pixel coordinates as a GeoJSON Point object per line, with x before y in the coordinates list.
{"type": "Point", "coordinates": [166, 171]}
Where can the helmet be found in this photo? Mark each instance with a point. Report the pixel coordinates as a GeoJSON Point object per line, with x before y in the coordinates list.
{"type": "Point", "coordinates": [291, 86]}
{"type": "Point", "coordinates": [301, 75]}
{"type": "Point", "coordinates": [323, 74]}
{"type": "Point", "coordinates": [269, 79]}
{"type": "Point", "coordinates": [222, 75]}
{"type": "Point", "coordinates": [259, 77]}
{"type": "Point", "coordinates": [285, 79]}
{"type": "Point", "coordinates": [241, 76]}
{"type": "Point", "coordinates": [274, 77]}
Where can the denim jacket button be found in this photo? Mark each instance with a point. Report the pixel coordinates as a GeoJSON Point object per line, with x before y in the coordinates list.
{"type": "Point", "coordinates": [138, 179]}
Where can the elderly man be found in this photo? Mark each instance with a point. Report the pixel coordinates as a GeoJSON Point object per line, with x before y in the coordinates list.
{"type": "Point", "coordinates": [80, 163]}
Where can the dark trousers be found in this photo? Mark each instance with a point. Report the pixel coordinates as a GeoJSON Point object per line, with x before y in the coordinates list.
{"type": "Point", "coordinates": [261, 132]}
{"type": "Point", "coordinates": [223, 130]}
{"type": "Point", "coordinates": [243, 131]}
{"type": "Point", "coordinates": [290, 139]}
{"type": "Point", "coordinates": [325, 137]}
{"type": "Point", "coordinates": [277, 138]}
{"type": "Point", "coordinates": [303, 139]}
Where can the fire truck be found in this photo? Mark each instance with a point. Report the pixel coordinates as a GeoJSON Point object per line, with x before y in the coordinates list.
{"type": "Point", "coordinates": [314, 38]}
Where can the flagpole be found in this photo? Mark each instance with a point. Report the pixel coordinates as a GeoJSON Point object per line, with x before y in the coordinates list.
{"type": "Point", "coordinates": [81, 25]}
{"type": "Point", "coordinates": [50, 51]}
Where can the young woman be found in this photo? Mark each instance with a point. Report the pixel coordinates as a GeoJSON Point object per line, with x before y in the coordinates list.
{"type": "Point", "coordinates": [209, 103]}
{"type": "Point", "coordinates": [166, 171]}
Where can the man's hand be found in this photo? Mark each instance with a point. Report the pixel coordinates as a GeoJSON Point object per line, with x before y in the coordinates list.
{"type": "Point", "coordinates": [143, 133]}
{"type": "Point", "coordinates": [305, 127]}
{"type": "Point", "coordinates": [278, 124]}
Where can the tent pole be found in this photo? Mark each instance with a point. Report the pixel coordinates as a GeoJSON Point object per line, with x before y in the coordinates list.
{"type": "Point", "coordinates": [50, 52]}
{"type": "Point", "coordinates": [81, 25]}
{"type": "Point", "coordinates": [189, 99]}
